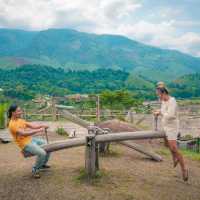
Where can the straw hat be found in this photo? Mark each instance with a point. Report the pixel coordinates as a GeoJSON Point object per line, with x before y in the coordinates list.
{"type": "Point", "coordinates": [160, 84]}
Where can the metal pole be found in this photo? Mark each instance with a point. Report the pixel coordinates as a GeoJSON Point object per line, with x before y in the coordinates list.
{"type": "Point", "coordinates": [46, 135]}
{"type": "Point", "coordinates": [155, 122]}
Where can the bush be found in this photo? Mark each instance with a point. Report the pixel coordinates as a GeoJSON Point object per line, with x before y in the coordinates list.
{"type": "Point", "coordinates": [3, 107]}
{"type": "Point", "coordinates": [61, 131]}
{"type": "Point", "coordinates": [187, 137]}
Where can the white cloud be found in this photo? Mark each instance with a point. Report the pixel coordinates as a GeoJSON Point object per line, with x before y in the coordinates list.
{"type": "Point", "coordinates": [43, 14]}
{"type": "Point", "coordinates": [160, 27]}
{"type": "Point", "coordinates": [186, 23]}
{"type": "Point", "coordinates": [26, 14]}
{"type": "Point", "coordinates": [188, 43]}
{"type": "Point", "coordinates": [163, 35]}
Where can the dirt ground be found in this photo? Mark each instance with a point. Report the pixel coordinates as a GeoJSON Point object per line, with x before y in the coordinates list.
{"type": "Point", "coordinates": [127, 175]}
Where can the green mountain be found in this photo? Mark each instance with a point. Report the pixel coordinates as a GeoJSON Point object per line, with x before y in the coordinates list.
{"type": "Point", "coordinates": [186, 86]}
{"type": "Point", "coordinates": [70, 49]}
{"type": "Point", "coordinates": [30, 80]}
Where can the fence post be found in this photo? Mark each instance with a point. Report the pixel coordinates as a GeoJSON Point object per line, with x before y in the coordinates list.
{"type": "Point", "coordinates": [90, 156]}
{"type": "Point", "coordinates": [198, 145]}
{"type": "Point", "coordinates": [54, 110]}
{"type": "Point", "coordinates": [98, 108]}
{"type": "Point", "coordinates": [97, 156]}
{"type": "Point", "coordinates": [131, 116]}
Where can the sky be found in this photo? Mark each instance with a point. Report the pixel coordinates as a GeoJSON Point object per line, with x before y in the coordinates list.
{"type": "Point", "coordinates": [172, 24]}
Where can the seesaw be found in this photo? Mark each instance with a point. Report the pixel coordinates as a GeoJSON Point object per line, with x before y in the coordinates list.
{"type": "Point", "coordinates": [96, 136]}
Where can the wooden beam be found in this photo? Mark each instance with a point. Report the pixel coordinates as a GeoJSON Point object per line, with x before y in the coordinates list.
{"type": "Point", "coordinates": [98, 108]}
{"type": "Point", "coordinates": [113, 137]}
{"type": "Point", "coordinates": [90, 156]}
{"type": "Point", "coordinates": [54, 111]}
{"type": "Point", "coordinates": [143, 150]}
{"type": "Point", "coordinates": [138, 135]}
{"type": "Point", "coordinates": [64, 107]}
{"type": "Point", "coordinates": [73, 118]}
{"type": "Point", "coordinates": [59, 145]}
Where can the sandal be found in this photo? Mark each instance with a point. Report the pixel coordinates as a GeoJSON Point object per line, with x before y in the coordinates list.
{"type": "Point", "coordinates": [186, 175]}
{"type": "Point", "coordinates": [176, 163]}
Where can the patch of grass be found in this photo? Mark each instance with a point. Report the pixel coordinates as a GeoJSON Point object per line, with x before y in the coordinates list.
{"type": "Point", "coordinates": [121, 118]}
{"type": "Point", "coordinates": [82, 177]}
{"type": "Point", "coordinates": [113, 152]}
{"type": "Point", "coordinates": [191, 154]}
{"type": "Point", "coordinates": [126, 196]}
{"type": "Point", "coordinates": [163, 151]}
{"type": "Point", "coordinates": [187, 153]}
{"type": "Point", "coordinates": [62, 131]}
{"type": "Point", "coordinates": [142, 126]}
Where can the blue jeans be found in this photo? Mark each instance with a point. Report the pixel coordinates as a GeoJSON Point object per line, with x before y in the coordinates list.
{"type": "Point", "coordinates": [35, 149]}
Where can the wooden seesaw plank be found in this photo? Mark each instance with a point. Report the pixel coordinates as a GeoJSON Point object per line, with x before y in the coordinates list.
{"type": "Point", "coordinates": [73, 118]}
{"type": "Point", "coordinates": [59, 145]}
{"type": "Point", "coordinates": [137, 135]}
{"type": "Point", "coordinates": [142, 150]}
{"type": "Point", "coordinates": [112, 137]}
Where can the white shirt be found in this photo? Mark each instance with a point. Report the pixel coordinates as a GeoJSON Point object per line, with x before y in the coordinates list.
{"type": "Point", "coordinates": [169, 113]}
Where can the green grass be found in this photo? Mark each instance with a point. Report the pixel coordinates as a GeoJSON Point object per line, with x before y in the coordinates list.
{"type": "Point", "coordinates": [114, 151]}
{"type": "Point", "coordinates": [187, 153]}
{"type": "Point", "coordinates": [163, 151]}
{"type": "Point", "coordinates": [192, 155]}
{"type": "Point", "coordinates": [62, 131]}
{"type": "Point", "coordinates": [188, 102]}
{"type": "Point", "coordinates": [82, 177]}
{"type": "Point", "coordinates": [3, 108]}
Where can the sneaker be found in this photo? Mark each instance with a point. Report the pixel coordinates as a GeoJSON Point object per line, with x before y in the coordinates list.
{"type": "Point", "coordinates": [45, 167]}
{"type": "Point", "coordinates": [36, 174]}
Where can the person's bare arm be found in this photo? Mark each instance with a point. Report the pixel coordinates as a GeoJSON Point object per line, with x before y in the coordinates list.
{"type": "Point", "coordinates": [22, 132]}
{"type": "Point", "coordinates": [156, 112]}
{"type": "Point", "coordinates": [36, 126]}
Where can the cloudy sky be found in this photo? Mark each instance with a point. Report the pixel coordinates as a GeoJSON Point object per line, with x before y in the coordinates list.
{"type": "Point", "coordinates": [173, 24]}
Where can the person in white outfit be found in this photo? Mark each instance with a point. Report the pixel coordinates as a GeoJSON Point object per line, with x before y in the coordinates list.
{"type": "Point", "coordinates": [170, 125]}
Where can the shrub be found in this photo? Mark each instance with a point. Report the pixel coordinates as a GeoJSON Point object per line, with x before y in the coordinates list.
{"type": "Point", "coordinates": [61, 131]}
{"type": "Point", "coordinates": [3, 107]}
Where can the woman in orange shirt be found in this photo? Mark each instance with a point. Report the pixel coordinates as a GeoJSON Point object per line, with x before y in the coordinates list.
{"type": "Point", "coordinates": [22, 132]}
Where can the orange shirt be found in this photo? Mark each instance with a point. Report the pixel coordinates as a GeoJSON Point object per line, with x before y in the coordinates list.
{"type": "Point", "coordinates": [14, 126]}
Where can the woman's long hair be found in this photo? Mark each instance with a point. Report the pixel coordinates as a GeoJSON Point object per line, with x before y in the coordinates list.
{"type": "Point", "coordinates": [11, 109]}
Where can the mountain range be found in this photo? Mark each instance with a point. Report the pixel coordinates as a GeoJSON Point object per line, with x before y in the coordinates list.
{"type": "Point", "coordinates": [74, 50]}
